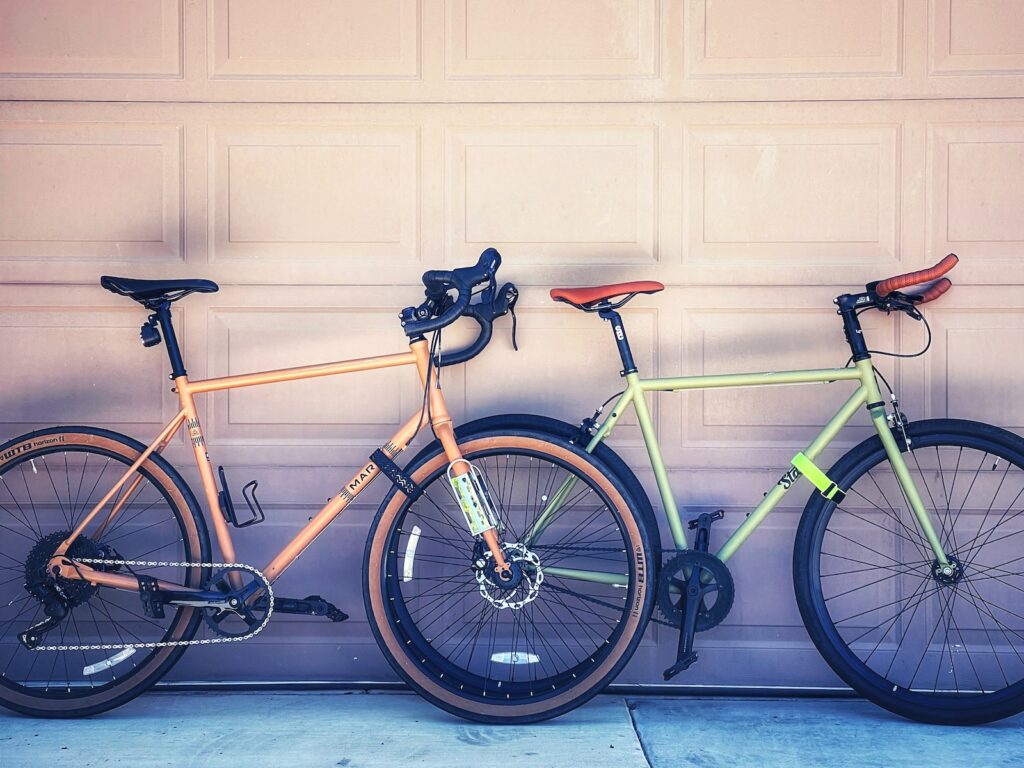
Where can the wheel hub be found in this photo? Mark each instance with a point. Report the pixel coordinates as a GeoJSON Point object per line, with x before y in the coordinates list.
{"type": "Point", "coordinates": [523, 584]}
{"type": "Point", "coordinates": [948, 575]}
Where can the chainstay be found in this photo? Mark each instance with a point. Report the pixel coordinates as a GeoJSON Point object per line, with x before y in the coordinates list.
{"type": "Point", "coordinates": [173, 643]}
{"type": "Point", "coordinates": [603, 603]}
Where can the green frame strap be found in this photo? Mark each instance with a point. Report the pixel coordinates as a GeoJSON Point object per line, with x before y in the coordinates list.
{"type": "Point", "coordinates": [818, 479]}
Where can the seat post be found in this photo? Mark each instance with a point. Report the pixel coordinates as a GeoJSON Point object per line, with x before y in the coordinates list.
{"type": "Point", "coordinates": [625, 353]}
{"type": "Point", "coordinates": [162, 310]}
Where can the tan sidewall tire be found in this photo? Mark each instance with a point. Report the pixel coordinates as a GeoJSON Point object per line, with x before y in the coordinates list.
{"type": "Point", "coordinates": [532, 710]}
{"type": "Point", "coordinates": [140, 677]}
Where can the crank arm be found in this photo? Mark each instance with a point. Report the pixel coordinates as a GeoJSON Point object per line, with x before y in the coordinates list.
{"type": "Point", "coordinates": [685, 656]}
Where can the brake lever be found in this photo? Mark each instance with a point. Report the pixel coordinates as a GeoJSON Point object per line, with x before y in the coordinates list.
{"type": "Point", "coordinates": [506, 304]}
{"type": "Point", "coordinates": [512, 311]}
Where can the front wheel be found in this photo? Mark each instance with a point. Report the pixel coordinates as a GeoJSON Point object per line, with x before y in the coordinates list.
{"type": "Point", "coordinates": [934, 644]}
{"type": "Point", "coordinates": [519, 652]}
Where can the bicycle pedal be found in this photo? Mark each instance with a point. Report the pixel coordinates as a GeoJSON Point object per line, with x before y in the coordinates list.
{"type": "Point", "coordinates": [313, 605]}
{"type": "Point", "coordinates": [681, 665]}
{"type": "Point", "coordinates": [706, 519]}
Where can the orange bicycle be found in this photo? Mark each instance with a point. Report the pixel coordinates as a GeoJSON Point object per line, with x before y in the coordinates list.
{"type": "Point", "coordinates": [107, 573]}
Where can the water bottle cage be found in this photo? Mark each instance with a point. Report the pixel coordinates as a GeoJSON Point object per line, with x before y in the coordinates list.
{"type": "Point", "coordinates": [474, 499]}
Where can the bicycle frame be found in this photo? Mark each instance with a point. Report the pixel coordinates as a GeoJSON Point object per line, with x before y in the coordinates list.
{"type": "Point", "coordinates": [867, 393]}
{"type": "Point", "coordinates": [187, 415]}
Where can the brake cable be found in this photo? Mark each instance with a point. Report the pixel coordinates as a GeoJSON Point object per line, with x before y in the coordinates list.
{"type": "Point", "coordinates": [916, 315]}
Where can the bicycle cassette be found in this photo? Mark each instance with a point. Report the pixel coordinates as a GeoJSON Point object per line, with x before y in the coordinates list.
{"type": "Point", "coordinates": [672, 589]}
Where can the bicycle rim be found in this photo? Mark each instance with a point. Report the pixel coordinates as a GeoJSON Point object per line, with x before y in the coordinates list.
{"type": "Point", "coordinates": [937, 646]}
{"type": "Point", "coordinates": [43, 495]}
{"type": "Point", "coordinates": [445, 619]}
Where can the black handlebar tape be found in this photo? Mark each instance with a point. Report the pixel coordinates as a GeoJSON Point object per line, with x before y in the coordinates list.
{"type": "Point", "coordinates": [437, 282]}
{"type": "Point", "coordinates": [481, 341]}
{"type": "Point", "coordinates": [464, 279]}
{"type": "Point", "coordinates": [449, 316]}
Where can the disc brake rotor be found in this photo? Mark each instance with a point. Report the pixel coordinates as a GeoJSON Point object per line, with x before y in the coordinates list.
{"type": "Point", "coordinates": [525, 586]}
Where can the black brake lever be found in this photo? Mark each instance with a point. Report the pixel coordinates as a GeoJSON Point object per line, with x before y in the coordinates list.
{"type": "Point", "coordinates": [512, 311]}
{"type": "Point", "coordinates": [505, 303]}
{"type": "Point", "coordinates": [901, 302]}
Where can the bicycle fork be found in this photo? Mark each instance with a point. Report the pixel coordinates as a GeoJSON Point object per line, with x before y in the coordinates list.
{"type": "Point", "coordinates": [876, 409]}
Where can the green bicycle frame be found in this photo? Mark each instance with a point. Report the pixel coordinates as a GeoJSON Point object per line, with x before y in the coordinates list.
{"type": "Point", "coordinates": [635, 394]}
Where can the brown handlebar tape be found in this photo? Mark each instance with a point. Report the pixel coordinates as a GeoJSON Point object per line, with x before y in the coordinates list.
{"type": "Point", "coordinates": [935, 291]}
{"type": "Point", "coordinates": [887, 286]}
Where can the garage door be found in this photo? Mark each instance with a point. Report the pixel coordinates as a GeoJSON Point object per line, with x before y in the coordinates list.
{"type": "Point", "coordinates": [314, 158]}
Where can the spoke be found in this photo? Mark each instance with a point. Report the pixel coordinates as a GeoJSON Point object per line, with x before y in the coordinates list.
{"type": "Point", "coordinates": [49, 475]}
{"type": "Point", "coordinates": [963, 644]}
{"type": "Point", "coordinates": [913, 536]}
{"type": "Point", "coordinates": [946, 516]}
{"type": "Point", "coordinates": [38, 529]}
{"type": "Point", "coordinates": [988, 636]}
{"type": "Point", "coordinates": [1003, 628]}
{"type": "Point", "coordinates": [892, 560]}
{"type": "Point", "coordinates": [970, 488]}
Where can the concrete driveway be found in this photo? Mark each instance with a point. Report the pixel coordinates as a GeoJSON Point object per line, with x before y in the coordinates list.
{"type": "Point", "coordinates": [324, 729]}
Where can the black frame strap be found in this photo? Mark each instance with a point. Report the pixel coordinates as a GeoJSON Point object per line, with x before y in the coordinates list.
{"type": "Point", "coordinates": [396, 474]}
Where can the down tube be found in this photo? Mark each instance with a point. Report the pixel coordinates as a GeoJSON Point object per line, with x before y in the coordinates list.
{"type": "Point", "coordinates": [774, 496]}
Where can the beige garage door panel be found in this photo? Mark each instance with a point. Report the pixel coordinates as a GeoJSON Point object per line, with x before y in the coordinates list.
{"type": "Point", "coordinates": [819, 193]}
{"type": "Point", "coordinates": [494, 50]}
{"type": "Point", "coordinates": [758, 158]}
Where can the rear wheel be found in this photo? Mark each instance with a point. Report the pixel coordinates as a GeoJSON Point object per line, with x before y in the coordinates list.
{"type": "Point", "coordinates": [932, 644]}
{"type": "Point", "coordinates": [49, 480]}
{"type": "Point", "coordinates": [511, 653]}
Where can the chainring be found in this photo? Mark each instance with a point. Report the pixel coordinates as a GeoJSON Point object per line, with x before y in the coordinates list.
{"type": "Point", "coordinates": [674, 574]}
{"type": "Point", "coordinates": [239, 621]}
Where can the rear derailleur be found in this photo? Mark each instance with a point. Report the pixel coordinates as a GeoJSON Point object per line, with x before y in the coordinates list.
{"type": "Point", "coordinates": [695, 592]}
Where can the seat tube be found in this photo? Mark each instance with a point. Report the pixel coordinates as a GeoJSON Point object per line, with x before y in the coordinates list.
{"type": "Point", "coordinates": [195, 435]}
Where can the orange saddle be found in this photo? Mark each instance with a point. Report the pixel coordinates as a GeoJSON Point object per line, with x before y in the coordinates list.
{"type": "Point", "coordinates": [587, 298]}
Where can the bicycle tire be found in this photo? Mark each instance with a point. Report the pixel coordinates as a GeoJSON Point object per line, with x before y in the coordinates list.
{"type": "Point", "coordinates": [38, 502]}
{"type": "Point", "coordinates": [434, 668]}
{"type": "Point", "coordinates": [947, 679]}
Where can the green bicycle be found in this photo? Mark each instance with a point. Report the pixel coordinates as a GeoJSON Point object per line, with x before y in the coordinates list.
{"type": "Point", "coordinates": [907, 563]}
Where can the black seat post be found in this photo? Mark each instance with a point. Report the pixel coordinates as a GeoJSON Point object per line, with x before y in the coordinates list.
{"type": "Point", "coordinates": [162, 311]}
{"type": "Point", "coordinates": [619, 331]}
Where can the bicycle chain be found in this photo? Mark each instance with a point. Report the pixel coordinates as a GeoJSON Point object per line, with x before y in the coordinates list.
{"type": "Point", "coordinates": [173, 643]}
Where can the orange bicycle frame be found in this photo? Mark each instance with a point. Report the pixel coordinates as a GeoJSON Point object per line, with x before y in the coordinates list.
{"type": "Point", "coordinates": [187, 415]}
